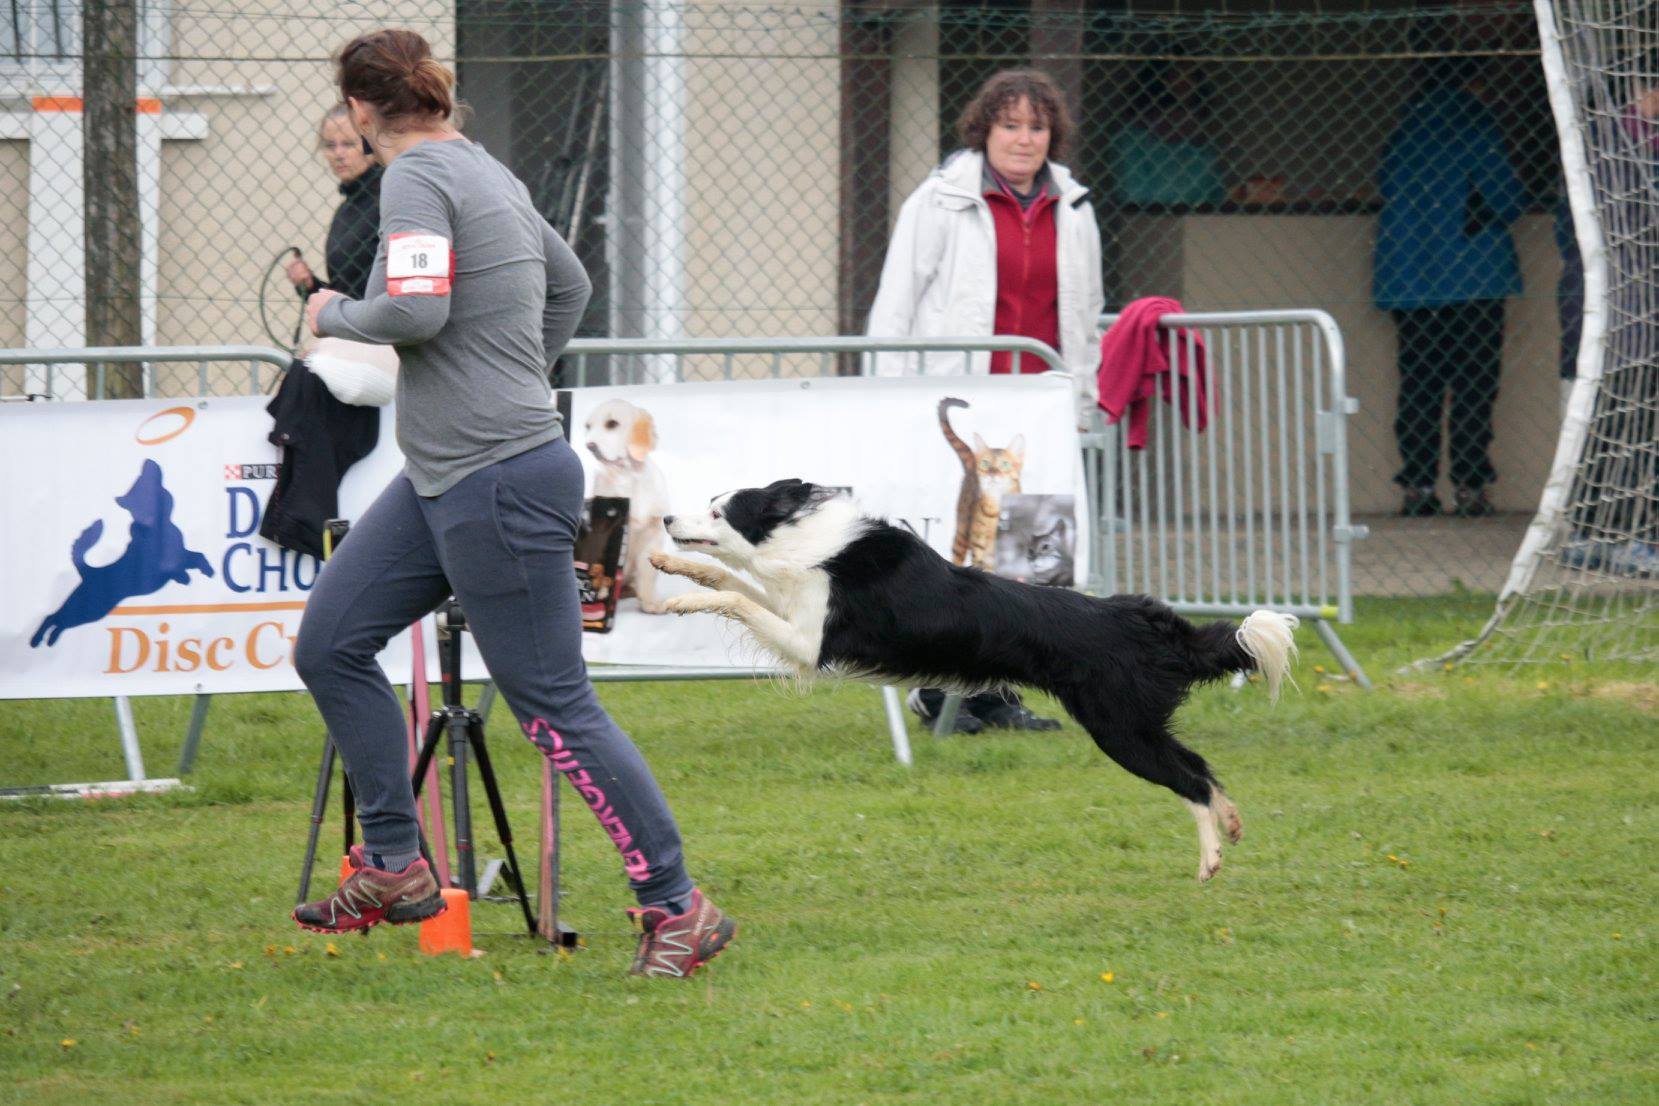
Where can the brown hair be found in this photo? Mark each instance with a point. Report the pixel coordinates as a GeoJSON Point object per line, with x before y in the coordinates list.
{"type": "Point", "coordinates": [1002, 92]}
{"type": "Point", "coordinates": [394, 71]}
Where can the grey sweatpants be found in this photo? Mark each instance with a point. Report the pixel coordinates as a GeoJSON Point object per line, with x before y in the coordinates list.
{"type": "Point", "coordinates": [500, 541]}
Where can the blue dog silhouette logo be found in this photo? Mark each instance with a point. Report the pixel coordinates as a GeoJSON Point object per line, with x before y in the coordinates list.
{"type": "Point", "coordinates": [155, 555]}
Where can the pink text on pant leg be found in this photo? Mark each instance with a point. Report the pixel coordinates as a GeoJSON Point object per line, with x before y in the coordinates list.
{"type": "Point", "coordinates": [547, 739]}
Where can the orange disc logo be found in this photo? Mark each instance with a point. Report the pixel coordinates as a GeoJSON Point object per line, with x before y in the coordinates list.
{"type": "Point", "coordinates": [164, 426]}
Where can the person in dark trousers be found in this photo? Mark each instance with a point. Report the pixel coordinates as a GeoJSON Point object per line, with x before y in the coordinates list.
{"type": "Point", "coordinates": [479, 295]}
{"type": "Point", "coordinates": [1444, 262]}
{"type": "Point", "coordinates": [355, 230]}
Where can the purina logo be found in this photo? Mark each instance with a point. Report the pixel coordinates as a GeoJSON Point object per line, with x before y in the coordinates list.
{"type": "Point", "coordinates": [252, 470]}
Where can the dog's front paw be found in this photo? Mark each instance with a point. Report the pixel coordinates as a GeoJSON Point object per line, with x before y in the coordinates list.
{"type": "Point", "coordinates": [678, 605]}
{"type": "Point", "coordinates": [704, 602]}
{"type": "Point", "coordinates": [677, 566]}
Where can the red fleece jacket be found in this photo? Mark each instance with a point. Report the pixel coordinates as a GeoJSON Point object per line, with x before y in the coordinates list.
{"type": "Point", "coordinates": [1028, 276]}
{"type": "Point", "coordinates": [1134, 359]}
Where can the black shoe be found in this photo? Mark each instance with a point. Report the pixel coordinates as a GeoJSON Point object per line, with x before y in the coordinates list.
{"type": "Point", "coordinates": [925, 703]}
{"type": "Point", "coordinates": [1013, 716]}
{"type": "Point", "coordinates": [1471, 503]}
{"type": "Point", "coordinates": [1420, 503]}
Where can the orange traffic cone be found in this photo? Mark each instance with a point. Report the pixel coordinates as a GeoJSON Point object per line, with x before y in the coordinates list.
{"type": "Point", "coordinates": [450, 931]}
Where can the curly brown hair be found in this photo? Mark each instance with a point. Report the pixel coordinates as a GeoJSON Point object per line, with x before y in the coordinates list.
{"type": "Point", "coordinates": [1002, 92]}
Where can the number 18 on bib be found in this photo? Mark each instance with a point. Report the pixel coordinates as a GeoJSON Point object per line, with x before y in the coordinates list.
{"type": "Point", "coordinates": [418, 265]}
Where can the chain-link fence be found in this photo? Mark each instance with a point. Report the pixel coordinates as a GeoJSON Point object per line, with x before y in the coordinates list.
{"type": "Point", "coordinates": [731, 169]}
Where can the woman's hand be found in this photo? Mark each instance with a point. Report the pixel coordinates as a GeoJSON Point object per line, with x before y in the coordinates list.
{"type": "Point", "coordinates": [299, 273]}
{"type": "Point", "coordinates": [314, 305]}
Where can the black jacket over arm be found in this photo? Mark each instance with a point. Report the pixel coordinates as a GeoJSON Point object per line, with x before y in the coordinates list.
{"type": "Point", "coordinates": [320, 438]}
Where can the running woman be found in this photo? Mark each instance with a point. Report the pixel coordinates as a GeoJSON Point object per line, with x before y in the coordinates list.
{"type": "Point", "coordinates": [479, 295]}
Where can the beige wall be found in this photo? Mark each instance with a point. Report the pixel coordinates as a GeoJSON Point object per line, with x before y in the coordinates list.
{"type": "Point", "coordinates": [913, 134]}
{"type": "Point", "coordinates": [1271, 261]}
{"type": "Point", "coordinates": [758, 128]}
{"type": "Point", "coordinates": [256, 183]}
{"type": "Point", "coordinates": [14, 261]}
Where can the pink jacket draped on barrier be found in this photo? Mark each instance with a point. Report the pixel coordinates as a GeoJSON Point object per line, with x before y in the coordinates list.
{"type": "Point", "coordinates": [1135, 360]}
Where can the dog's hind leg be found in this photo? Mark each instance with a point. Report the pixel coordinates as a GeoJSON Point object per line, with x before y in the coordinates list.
{"type": "Point", "coordinates": [1209, 841]}
{"type": "Point", "coordinates": [1222, 809]}
{"type": "Point", "coordinates": [1226, 815]}
{"type": "Point", "coordinates": [1145, 747]}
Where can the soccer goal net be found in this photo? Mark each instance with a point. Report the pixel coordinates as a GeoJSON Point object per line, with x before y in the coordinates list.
{"type": "Point", "coordinates": [1585, 581]}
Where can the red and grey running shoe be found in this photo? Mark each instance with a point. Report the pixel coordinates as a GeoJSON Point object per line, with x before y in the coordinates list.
{"type": "Point", "coordinates": [678, 944]}
{"type": "Point", "coordinates": [370, 896]}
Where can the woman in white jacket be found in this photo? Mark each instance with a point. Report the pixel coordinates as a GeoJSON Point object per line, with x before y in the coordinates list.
{"type": "Point", "coordinates": [998, 240]}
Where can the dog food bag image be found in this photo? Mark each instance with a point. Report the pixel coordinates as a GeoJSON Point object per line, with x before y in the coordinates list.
{"type": "Point", "coordinates": [599, 549]}
{"type": "Point", "coordinates": [1037, 540]}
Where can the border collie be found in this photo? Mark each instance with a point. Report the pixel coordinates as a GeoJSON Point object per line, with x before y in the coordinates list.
{"type": "Point", "coordinates": [847, 595]}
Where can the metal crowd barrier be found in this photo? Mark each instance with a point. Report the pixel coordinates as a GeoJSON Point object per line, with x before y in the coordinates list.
{"type": "Point", "coordinates": [1253, 511]}
{"type": "Point", "coordinates": [43, 372]}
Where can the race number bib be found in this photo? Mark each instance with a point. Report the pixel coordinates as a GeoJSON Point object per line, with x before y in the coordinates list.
{"type": "Point", "coordinates": [418, 265]}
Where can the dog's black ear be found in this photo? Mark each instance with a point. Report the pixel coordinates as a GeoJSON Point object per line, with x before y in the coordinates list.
{"type": "Point", "coordinates": [756, 512]}
{"type": "Point", "coordinates": [798, 497]}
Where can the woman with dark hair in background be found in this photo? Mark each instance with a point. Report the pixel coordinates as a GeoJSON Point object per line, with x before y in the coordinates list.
{"type": "Point", "coordinates": [1000, 239]}
{"type": "Point", "coordinates": [479, 295]}
{"type": "Point", "coordinates": [355, 229]}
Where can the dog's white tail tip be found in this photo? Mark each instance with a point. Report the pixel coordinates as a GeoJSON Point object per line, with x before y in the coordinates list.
{"type": "Point", "coordinates": [1269, 638]}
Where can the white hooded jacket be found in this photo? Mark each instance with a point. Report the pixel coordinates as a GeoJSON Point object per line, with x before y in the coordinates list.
{"type": "Point", "coordinates": [940, 276]}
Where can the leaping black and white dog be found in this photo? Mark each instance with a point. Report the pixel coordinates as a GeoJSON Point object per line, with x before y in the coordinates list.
{"type": "Point", "coordinates": [844, 594]}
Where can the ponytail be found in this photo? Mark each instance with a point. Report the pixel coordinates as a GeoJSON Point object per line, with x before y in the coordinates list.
{"type": "Point", "coordinates": [394, 71]}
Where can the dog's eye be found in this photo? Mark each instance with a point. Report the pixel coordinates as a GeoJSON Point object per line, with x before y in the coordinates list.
{"type": "Point", "coordinates": [610, 424]}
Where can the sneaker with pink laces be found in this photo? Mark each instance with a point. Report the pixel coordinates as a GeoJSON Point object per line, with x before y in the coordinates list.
{"type": "Point", "coordinates": [678, 944]}
{"type": "Point", "coordinates": [370, 896]}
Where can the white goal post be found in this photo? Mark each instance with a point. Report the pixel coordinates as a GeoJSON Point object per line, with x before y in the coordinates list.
{"type": "Point", "coordinates": [1585, 581]}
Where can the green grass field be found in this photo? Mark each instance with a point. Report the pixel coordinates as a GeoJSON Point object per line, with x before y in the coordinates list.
{"type": "Point", "coordinates": [1445, 894]}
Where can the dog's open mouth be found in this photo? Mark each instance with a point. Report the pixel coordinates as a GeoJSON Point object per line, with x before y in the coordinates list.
{"type": "Point", "coordinates": [692, 541]}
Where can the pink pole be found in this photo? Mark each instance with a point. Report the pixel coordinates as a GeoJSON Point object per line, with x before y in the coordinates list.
{"type": "Point", "coordinates": [547, 885]}
{"type": "Point", "coordinates": [420, 709]}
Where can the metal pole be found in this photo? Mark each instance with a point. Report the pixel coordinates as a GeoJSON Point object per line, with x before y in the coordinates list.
{"type": "Point", "coordinates": [895, 724]}
{"type": "Point", "coordinates": [129, 738]}
{"type": "Point", "coordinates": [193, 736]}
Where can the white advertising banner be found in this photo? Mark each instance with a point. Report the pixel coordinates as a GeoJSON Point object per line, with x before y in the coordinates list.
{"type": "Point", "coordinates": [880, 437]}
{"type": "Point", "coordinates": [133, 563]}
{"type": "Point", "coordinates": [131, 555]}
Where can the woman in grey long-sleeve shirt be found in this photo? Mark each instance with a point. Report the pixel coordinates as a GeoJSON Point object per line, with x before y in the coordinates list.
{"type": "Point", "coordinates": [478, 294]}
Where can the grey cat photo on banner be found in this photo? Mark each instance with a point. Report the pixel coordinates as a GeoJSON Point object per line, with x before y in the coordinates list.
{"type": "Point", "coordinates": [1037, 539]}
